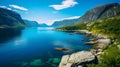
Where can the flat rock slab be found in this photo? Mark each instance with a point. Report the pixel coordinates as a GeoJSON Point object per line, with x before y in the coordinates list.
{"type": "Point", "coordinates": [79, 57]}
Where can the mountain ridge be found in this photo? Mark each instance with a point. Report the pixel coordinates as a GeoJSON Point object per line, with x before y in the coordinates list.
{"type": "Point", "coordinates": [101, 12]}
{"type": "Point", "coordinates": [10, 18]}
{"type": "Point", "coordinates": [65, 22]}
{"type": "Point", "coordinates": [31, 23]}
{"type": "Point", "coordinates": [34, 23]}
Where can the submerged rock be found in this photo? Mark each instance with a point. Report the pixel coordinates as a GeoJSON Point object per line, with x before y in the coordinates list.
{"type": "Point", "coordinates": [62, 49]}
{"type": "Point", "coordinates": [90, 43]}
{"type": "Point", "coordinates": [36, 62]}
{"type": "Point", "coordinates": [56, 60]}
{"type": "Point", "coordinates": [24, 64]}
{"type": "Point", "coordinates": [77, 58]}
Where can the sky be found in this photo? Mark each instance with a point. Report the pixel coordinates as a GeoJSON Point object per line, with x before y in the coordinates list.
{"type": "Point", "coordinates": [48, 11]}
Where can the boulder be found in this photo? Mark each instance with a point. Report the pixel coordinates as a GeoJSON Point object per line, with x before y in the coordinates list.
{"type": "Point", "coordinates": [65, 59]}
{"type": "Point", "coordinates": [103, 43]}
{"type": "Point", "coordinates": [77, 58]}
{"type": "Point", "coordinates": [99, 36]}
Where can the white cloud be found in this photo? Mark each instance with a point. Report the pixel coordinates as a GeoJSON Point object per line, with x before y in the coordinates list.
{"type": "Point", "coordinates": [74, 17]}
{"type": "Point", "coordinates": [5, 7]}
{"type": "Point", "coordinates": [18, 7]}
{"type": "Point", "coordinates": [68, 18]}
{"type": "Point", "coordinates": [64, 4]}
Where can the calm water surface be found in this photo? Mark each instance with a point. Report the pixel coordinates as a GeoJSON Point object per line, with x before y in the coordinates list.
{"type": "Point", "coordinates": [35, 47]}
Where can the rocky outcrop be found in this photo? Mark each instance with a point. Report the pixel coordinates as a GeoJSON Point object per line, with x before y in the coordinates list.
{"type": "Point", "coordinates": [100, 41]}
{"type": "Point", "coordinates": [103, 43]}
{"type": "Point", "coordinates": [78, 59]}
{"type": "Point", "coordinates": [82, 32]}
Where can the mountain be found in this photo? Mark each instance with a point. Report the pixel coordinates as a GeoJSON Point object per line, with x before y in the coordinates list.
{"type": "Point", "coordinates": [101, 12]}
{"type": "Point", "coordinates": [11, 25]}
{"type": "Point", "coordinates": [66, 22]}
{"type": "Point", "coordinates": [31, 23]}
{"type": "Point", "coordinates": [34, 24]}
{"type": "Point", "coordinates": [43, 25]}
{"type": "Point", "coordinates": [102, 20]}
{"type": "Point", "coordinates": [10, 18]}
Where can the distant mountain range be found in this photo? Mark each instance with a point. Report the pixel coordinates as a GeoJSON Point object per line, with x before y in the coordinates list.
{"type": "Point", "coordinates": [31, 23]}
{"type": "Point", "coordinates": [99, 12]}
{"type": "Point", "coordinates": [66, 22]}
{"type": "Point", "coordinates": [43, 25]}
{"type": "Point", "coordinates": [34, 24]}
{"type": "Point", "coordinates": [11, 18]}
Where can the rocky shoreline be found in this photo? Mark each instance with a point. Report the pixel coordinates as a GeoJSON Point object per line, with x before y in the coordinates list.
{"type": "Point", "coordinates": [82, 58]}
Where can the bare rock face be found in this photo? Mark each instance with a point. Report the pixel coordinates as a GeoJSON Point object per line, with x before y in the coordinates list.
{"type": "Point", "coordinates": [103, 43]}
{"type": "Point", "coordinates": [101, 12]}
{"type": "Point", "coordinates": [76, 58]}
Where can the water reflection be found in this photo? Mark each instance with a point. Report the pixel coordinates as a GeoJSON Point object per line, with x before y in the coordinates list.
{"type": "Point", "coordinates": [8, 33]}
{"type": "Point", "coordinates": [45, 28]}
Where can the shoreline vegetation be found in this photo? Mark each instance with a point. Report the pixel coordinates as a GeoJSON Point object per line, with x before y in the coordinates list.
{"type": "Point", "coordinates": [104, 36]}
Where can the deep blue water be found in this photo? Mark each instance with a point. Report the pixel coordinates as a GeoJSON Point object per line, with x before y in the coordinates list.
{"type": "Point", "coordinates": [35, 47]}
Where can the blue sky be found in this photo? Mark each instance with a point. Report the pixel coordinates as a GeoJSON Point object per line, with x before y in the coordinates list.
{"type": "Point", "coordinates": [48, 11]}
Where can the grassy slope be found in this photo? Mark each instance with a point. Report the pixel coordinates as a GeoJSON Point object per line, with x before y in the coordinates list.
{"type": "Point", "coordinates": [75, 27]}
{"type": "Point", "coordinates": [109, 27]}
{"type": "Point", "coordinates": [110, 58]}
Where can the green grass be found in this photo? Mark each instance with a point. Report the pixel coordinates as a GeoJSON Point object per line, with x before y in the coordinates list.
{"type": "Point", "coordinates": [110, 27]}
{"type": "Point", "coordinates": [110, 58]}
{"type": "Point", "coordinates": [74, 27]}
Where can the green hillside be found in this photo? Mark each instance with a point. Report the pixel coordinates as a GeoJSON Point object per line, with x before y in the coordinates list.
{"type": "Point", "coordinates": [109, 27]}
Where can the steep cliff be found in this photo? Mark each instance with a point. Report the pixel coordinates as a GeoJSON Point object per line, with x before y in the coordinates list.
{"type": "Point", "coordinates": [101, 12]}
{"type": "Point", "coordinates": [10, 18]}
